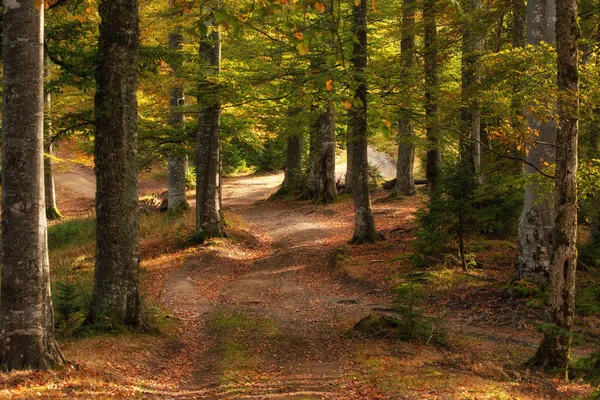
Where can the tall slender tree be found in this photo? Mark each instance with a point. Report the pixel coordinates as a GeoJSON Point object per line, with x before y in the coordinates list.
{"type": "Point", "coordinates": [364, 222]}
{"type": "Point", "coordinates": [430, 55]}
{"type": "Point", "coordinates": [537, 218]}
{"type": "Point", "coordinates": [177, 163]}
{"type": "Point", "coordinates": [116, 296]}
{"type": "Point", "coordinates": [52, 211]}
{"type": "Point", "coordinates": [208, 215]}
{"type": "Point", "coordinates": [405, 184]}
{"type": "Point", "coordinates": [472, 47]}
{"type": "Point", "coordinates": [554, 351]}
{"type": "Point", "coordinates": [27, 320]}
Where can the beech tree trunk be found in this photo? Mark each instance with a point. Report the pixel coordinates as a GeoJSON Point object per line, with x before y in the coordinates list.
{"type": "Point", "coordinates": [349, 159]}
{"type": "Point", "coordinates": [472, 47]}
{"type": "Point", "coordinates": [364, 222]}
{"type": "Point", "coordinates": [293, 178]}
{"type": "Point", "coordinates": [537, 218]}
{"type": "Point", "coordinates": [553, 353]}
{"type": "Point", "coordinates": [49, 190]}
{"type": "Point", "coordinates": [208, 205]}
{"type": "Point", "coordinates": [177, 164]}
{"type": "Point", "coordinates": [27, 322]}
{"type": "Point", "coordinates": [320, 186]}
{"type": "Point", "coordinates": [406, 149]}
{"type": "Point", "coordinates": [116, 297]}
{"type": "Point", "coordinates": [434, 154]}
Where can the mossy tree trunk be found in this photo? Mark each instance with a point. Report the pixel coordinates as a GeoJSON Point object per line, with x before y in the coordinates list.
{"type": "Point", "coordinates": [116, 297]}
{"type": "Point", "coordinates": [432, 131]}
{"type": "Point", "coordinates": [537, 217]}
{"type": "Point", "coordinates": [364, 222]}
{"type": "Point", "coordinates": [208, 216]}
{"type": "Point", "coordinates": [405, 183]}
{"type": "Point", "coordinates": [27, 319]}
{"type": "Point", "coordinates": [177, 164]}
{"type": "Point", "coordinates": [553, 353]}
{"type": "Point", "coordinates": [327, 189]}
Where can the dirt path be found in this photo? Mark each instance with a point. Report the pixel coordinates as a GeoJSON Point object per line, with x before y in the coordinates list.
{"type": "Point", "coordinates": [269, 322]}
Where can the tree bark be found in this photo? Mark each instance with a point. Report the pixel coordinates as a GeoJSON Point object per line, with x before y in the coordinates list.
{"type": "Point", "coordinates": [364, 222]}
{"type": "Point", "coordinates": [116, 297]}
{"type": "Point", "coordinates": [177, 164]}
{"type": "Point", "coordinates": [553, 353]}
{"type": "Point", "coordinates": [434, 154]}
{"type": "Point", "coordinates": [406, 149]}
{"type": "Point", "coordinates": [293, 178]}
{"type": "Point", "coordinates": [349, 159]}
{"type": "Point", "coordinates": [208, 211]}
{"type": "Point", "coordinates": [49, 190]}
{"type": "Point", "coordinates": [537, 218]}
{"type": "Point", "coordinates": [320, 187]}
{"type": "Point", "coordinates": [27, 323]}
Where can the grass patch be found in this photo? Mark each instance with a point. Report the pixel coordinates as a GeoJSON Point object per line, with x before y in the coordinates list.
{"type": "Point", "coordinates": [71, 233]}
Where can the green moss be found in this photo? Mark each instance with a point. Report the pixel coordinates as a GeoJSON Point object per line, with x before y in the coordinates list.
{"type": "Point", "coordinates": [52, 213]}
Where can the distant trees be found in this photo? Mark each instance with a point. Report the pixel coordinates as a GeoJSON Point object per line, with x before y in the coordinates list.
{"type": "Point", "coordinates": [116, 297]}
{"type": "Point", "coordinates": [27, 323]}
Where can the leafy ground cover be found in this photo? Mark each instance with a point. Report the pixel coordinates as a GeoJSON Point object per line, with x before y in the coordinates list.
{"type": "Point", "coordinates": [269, 312]}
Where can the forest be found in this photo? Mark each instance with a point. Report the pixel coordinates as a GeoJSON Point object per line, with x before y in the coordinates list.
{"type": "Point", "coordinates": [300, 199]}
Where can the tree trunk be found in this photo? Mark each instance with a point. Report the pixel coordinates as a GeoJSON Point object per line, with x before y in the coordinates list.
{"type": "Point", "coordinates": [320, 187]}
{"type": "Point", "coordinates": [349, 159]}
{"type": "Point", "coordinates": [472, 46]}
{"type": "Point", "coordinates": [292, 181]}
{"type": "Point", "coordinates": [208, 211]}
{"type": "Point", "coordinates": [364, 222]}
{"type": "Point", "coordinates": [177, 168]}
{"type": "Point", "coordinates": [406, 149]}
{"type": "Point", "coordinates": [537, 218]}
{"type": "Point", "coordinates": [553, 353]}
{"type": "Point", "coordinates": [49, 190]}
{"type": "Point", "coordinates": [27, 323]}
{"type": "Point", "coordinates": [177, 163]}
{"type": "Point", "coordinates": [327, 188]}
{"type": "Point", "coordinates": [434, 154]}
{"type": "Point", "coordinates": [116, 297]}
{"type": "Point", "coordinates": [311, 192]}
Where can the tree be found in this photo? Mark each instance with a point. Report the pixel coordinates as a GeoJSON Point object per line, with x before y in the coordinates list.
{"type": "Point", "coordinates": [364, 222]}
{"type": "Point", "coordinates": [52, 211]}
{"type": "Point", "coordinates": [321, 176]}
{"type": "Point", "coordinates": [472, 47]}
{"type": "Point", "coordinates": [537, 218]}
{"type": "Point", "coordinates": [405, 184]}
{"type": "Point", "coordinates": [116, 297]}
{"type": "Point", "coordinates": [208, 215]}
{"type": "Point", "coordinates": [293, 177]}
{"type": "Point", "coordinates": [177, 163]}
{"type": "Point", "coordinates": [554, 350]}
{"type": "Point", "coordinates": [27, 323]}
{"type": "Point", "coordinates": [430, 55]}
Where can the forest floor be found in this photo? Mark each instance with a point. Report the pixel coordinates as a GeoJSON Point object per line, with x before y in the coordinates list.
{"type": "Point", "coordinates": [268, 312]}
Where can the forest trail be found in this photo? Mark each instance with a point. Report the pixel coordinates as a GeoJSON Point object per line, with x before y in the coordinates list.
{"type": "Point", "coordinates": [270, 322]}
